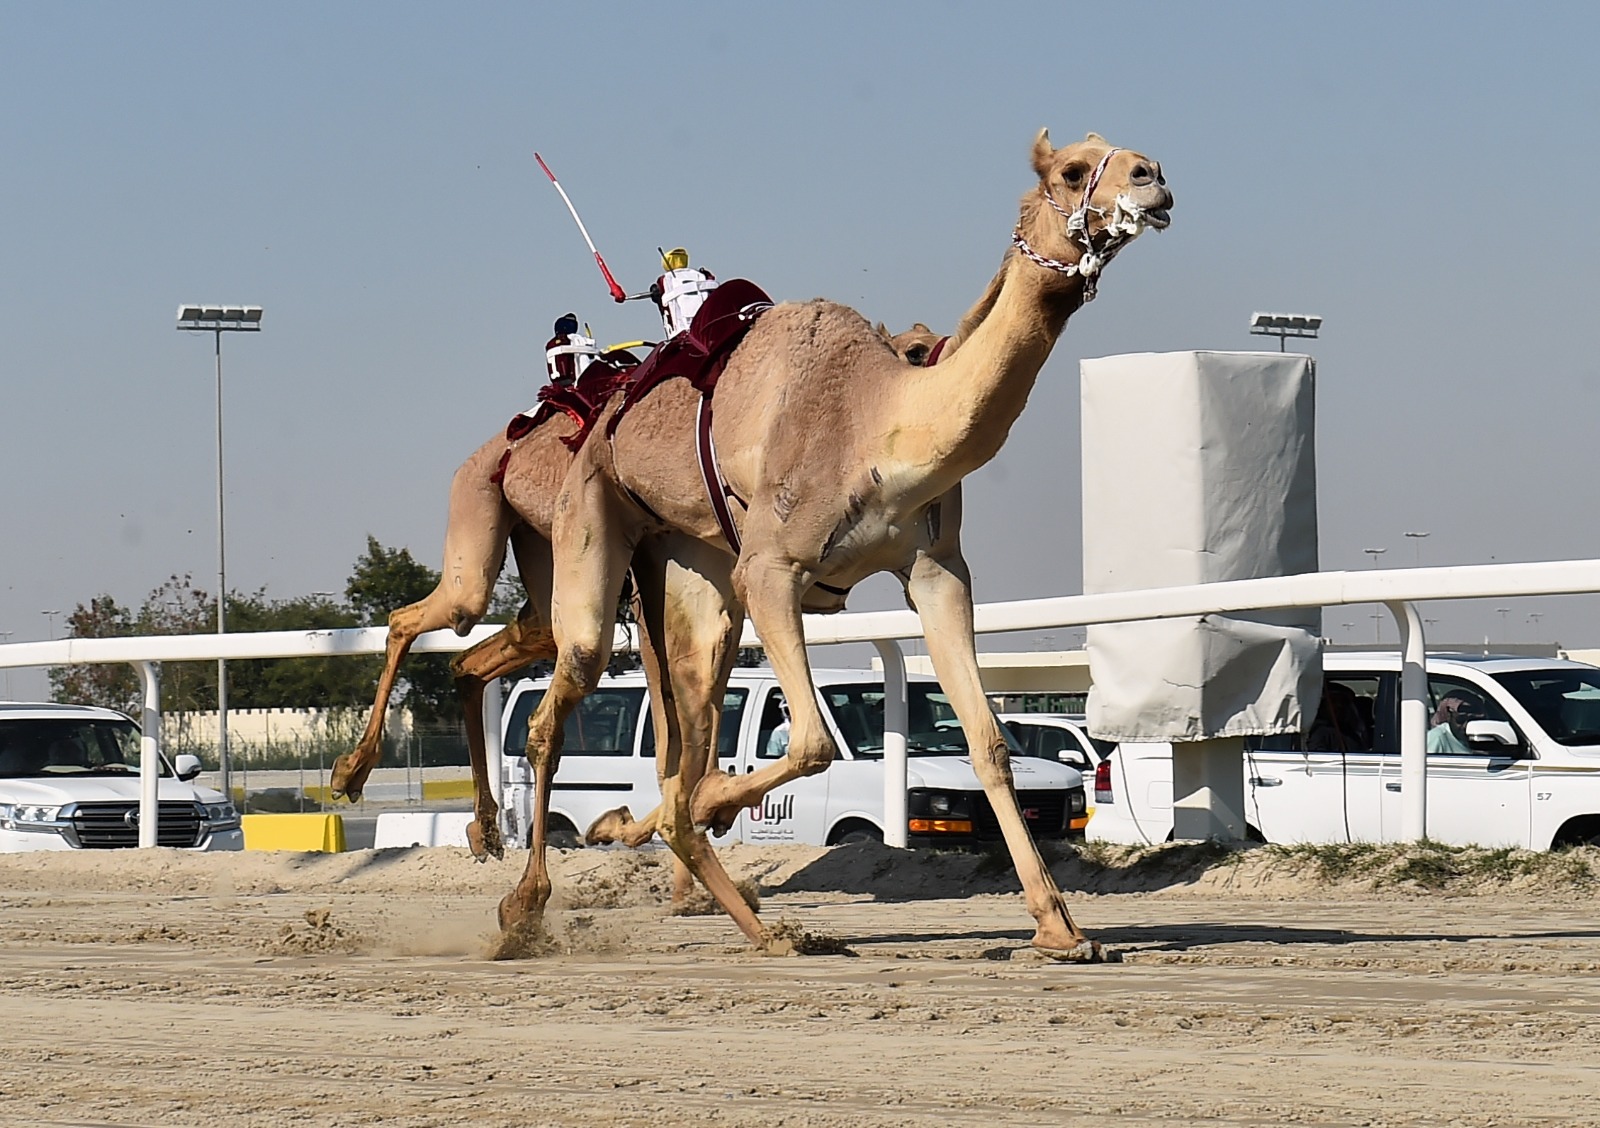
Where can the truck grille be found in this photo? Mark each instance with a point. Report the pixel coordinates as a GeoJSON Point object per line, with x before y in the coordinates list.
{"type": "Point", "coordinates": [115, 826]}
{"type": "Point", "coordinates": [1045, 812]}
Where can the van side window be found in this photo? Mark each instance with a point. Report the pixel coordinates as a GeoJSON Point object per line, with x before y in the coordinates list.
{"type": "Point", "coordinates": [772, 741]}
{"type": "Point", "coordinates": [727, 735]}
{"type": "Point", "coordinates": [603, 724]}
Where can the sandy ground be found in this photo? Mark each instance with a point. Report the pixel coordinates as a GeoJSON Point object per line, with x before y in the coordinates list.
{"type": "Point", "coordinates": [158, 988]}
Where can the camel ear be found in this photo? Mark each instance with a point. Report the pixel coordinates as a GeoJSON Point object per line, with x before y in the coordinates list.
{"type": "Point", "coordinates": [1042, 152]}
{"type": "Point", "coordinates": [882, 330]}
{"type": "Point", "coordinates": [920, 327]}
{"type": "Point", "coordinates": [1095, 138]}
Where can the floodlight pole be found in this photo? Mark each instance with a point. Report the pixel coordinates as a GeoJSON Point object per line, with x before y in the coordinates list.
{"type": "Point", "coordinates": [223, 765]}
{"type": "Point", "coordinates": [219, 320]}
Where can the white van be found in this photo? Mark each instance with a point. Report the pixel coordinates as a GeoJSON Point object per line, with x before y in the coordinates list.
{"type": "Point", "coordinates": [609, 760]}
{"type": "Point", "coordinates": [69, 780]}
{"type": "Point", "coordinates": [1523, 771]}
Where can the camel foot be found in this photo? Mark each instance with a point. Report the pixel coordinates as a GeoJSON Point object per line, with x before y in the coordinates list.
{"type": "Point", "coordinates": [711, 807]}
{"type": "Point", "coordinates": [609, 827]}
{"type": "Point", "coordinates": [484, 842]}
{"type": "Point", "coordinates": [349, 775]}
{"type": "Point", "coordinates": [526, 939]}
{"type": "Point", "coordinates": [1084, 951]}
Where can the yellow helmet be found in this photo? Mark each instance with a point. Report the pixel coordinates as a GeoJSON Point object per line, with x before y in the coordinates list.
{"type": "Point", "coordinates": [675, 259]}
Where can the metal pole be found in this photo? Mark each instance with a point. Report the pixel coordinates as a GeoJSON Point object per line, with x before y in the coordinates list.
{"type": "Point", "coordinates": [222, 597]}
{"type": "Point", "coordinates": [895, 724]}
{"type": "Point", "coordinates": [150, 755]}
{"type": "Point", "coordinates": [1413, 723]}
{"type": "Point", "coordinates": [493, 758]}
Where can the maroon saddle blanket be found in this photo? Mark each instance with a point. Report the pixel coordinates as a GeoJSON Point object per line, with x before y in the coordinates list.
{"type": "Point", "coordinates": [699, 354]}
{"type": "Point", "coordinates": [580, 401]}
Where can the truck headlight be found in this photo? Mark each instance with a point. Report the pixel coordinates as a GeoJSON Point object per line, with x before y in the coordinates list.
{"type": "Point", "coordinates": [221, 815]}
{"type": "Point", "coordinates": [27, 816]}
{"type": "Point", "coordinates": [939, 812]}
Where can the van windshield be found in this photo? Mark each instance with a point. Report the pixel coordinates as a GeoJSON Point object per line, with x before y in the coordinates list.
{"type": "Point", "coordinates": [931, 730]}
{"type": "Point", "coordinates": [61, 746]}
{"type": "Point", "coordinates": [1566, 703]}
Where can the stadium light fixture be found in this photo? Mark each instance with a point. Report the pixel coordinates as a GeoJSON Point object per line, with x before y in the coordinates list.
{"type": "Point", "coordinates": [1284, 325]}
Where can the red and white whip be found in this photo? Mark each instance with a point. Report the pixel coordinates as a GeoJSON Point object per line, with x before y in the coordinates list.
{"type": "Point", "coordinates": [617, 293]}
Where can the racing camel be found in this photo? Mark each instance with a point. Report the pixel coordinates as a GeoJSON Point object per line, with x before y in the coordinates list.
{"type": "Point", "coordinates": [837, 456]}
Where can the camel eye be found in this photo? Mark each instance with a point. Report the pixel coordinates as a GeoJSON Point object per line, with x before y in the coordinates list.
{"type": "Point", "coordinates": [917, 354]}
{"type": "Point", "coordinates": [1073, 175]}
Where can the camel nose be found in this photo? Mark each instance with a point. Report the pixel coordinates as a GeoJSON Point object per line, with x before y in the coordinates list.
{"type": "Point", "coordinates": [1145, 173]}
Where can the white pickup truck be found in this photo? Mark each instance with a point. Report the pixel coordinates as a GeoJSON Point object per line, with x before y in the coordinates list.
{"type": "Point", "coordinates": [609, 760]}
{"type": "Point", "coordinates": [69, 780]}
{"type": "Point", "coordinates": [1514, 761]}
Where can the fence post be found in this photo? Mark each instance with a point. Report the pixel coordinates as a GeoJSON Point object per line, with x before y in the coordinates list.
{"type": "Point", "coordinates": [150, 755]}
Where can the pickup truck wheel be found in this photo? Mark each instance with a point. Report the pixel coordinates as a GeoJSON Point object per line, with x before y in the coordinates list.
{"type": "Point", "coordinates": [849, 834]}
{"type": "Point", "coordinates": [1583, 831]}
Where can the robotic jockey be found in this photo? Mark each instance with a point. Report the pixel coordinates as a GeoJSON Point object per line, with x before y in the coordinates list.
{"type": "Point", "coordinates": [569, 352]}
{"type": "Point", "coordinates": [680, 291]}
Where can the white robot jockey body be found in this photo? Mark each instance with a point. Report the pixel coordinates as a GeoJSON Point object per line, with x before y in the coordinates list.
{"type": "Point", "coordinates": [680, 291]}
{"type": "Point", "coordinates": [569, 352]}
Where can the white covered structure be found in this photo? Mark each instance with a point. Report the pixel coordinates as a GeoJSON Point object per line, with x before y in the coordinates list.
{"type": "Point", "coordinates": [1200, 467]}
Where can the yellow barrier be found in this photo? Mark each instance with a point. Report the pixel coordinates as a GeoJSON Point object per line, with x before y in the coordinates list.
{"type": "Point", "coordinates": [318, 833]}
{"type": "Point", "coordinates": [433, 789]}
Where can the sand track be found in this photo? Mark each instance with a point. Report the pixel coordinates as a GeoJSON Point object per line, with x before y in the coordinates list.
{"type": "Point", "coordinates": [168, 989]}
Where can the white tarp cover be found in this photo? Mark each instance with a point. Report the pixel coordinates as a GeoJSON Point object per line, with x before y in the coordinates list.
{"type": "Point", "coordinates": [1200, 467]}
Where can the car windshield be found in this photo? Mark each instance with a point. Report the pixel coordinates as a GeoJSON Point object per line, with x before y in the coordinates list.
{"type": "Point", "coordinates": [1566, 703]}
{"type": "Point", "coordinates": [62, 746]}
{"type": "Point", "coordinates": [931, 730]}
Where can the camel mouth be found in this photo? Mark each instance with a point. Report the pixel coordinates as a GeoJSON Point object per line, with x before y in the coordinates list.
{"type": "Point", "coordinates": [1159, 218]}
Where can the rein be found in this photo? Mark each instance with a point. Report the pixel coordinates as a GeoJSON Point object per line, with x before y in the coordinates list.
{"type": "Point", "coordinates": [1125, 223]}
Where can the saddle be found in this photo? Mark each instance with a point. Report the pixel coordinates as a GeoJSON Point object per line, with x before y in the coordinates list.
{"type": "Point", "coordinates": [580, 400]}
{"type": "Point", "coordinates": [700, 354]}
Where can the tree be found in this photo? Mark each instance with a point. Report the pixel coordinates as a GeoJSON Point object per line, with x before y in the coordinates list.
{"type": "Point", "coordinates": [384, 580]}
{"type": "Point", "coordinates": [114, 686]}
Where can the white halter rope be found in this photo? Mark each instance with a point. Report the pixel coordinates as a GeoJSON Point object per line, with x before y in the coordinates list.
{"type": "Point", "coordinates": [1125, 224]}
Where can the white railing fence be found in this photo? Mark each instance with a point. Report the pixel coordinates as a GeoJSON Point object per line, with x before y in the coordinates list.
{"type": "Point", "coordinates": [1396, 589]}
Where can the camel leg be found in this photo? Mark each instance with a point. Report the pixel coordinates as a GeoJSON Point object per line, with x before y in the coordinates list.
{"type": "Point", "coordinates": [940, 590]}
{"type": "Point", "coordinates": [771, 588]}
{"type": "Point", "coordinates": [474, 551]}
{"type": "Point", "coordinates": [591, 565]}
{"type": "Point", "coordinates": [619, 825]}
{"type": "Point", "coordinates": [525, 640]}
{"type": "Point", "coordinates": [686, 602]}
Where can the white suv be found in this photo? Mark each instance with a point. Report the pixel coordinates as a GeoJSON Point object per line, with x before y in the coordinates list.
{"type": "Point", "coordinates": [69, 780]}
{"type": "Point", "coordinates": [1514, 760]}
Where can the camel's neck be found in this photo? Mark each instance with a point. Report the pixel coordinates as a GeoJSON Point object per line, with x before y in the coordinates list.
{"type": "Point", "coordinates": [952, 418]}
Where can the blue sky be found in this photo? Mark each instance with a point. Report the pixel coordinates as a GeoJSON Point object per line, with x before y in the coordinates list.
{"type": "Point", "coordinates": [1420, 175]}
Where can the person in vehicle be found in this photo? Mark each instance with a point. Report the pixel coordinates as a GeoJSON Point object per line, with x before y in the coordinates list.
{"type": "Point", "coordinates": [778, 742]}
{"type": "Point", "coordinates": [1448, 733]}
{"type": "Point", "coordinates": [1339, 726]}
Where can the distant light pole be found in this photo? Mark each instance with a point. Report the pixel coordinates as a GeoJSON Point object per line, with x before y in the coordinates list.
{"type": "Point", "coordinates": [5, 636]}
{"type": "Point", "coordinates": [1281, 325]}
{"type": "Point", "coordinates": [1374, 553]}
{"type": "Point", "coordinates": [1503, 612]}
{"type": "Point", "coordinates": [1533, 617]}
{"type": "Point", "coordinates": [1377, 625]}
{"type": "Point", "coordinates": [217, 320]}
{"type": "Point", "coordinates": [1419, 538]}
{"type": "Point", "coordinates": [51, 615]}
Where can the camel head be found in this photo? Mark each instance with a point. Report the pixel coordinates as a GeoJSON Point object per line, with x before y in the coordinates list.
{"type": "Point", "coordinates": [914, 345]}
{"type": "Point", "coordinates": [1092, 200]}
